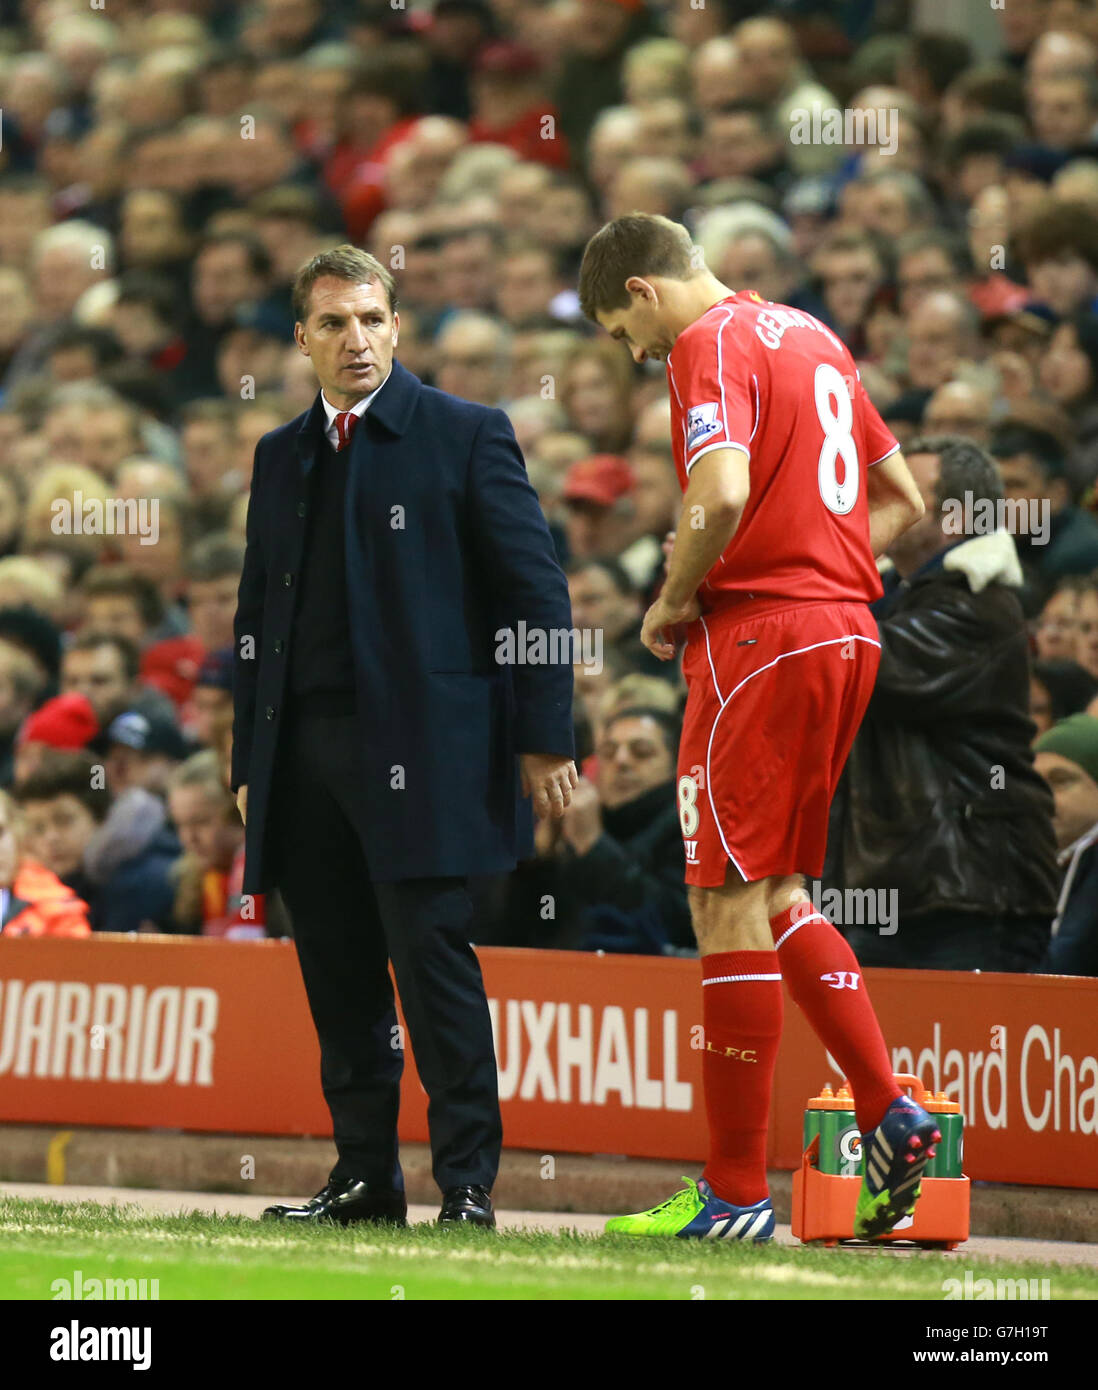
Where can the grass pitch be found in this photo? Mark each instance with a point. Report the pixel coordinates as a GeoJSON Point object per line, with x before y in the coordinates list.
{"type": "Point", "coordinates": [231, 1257]}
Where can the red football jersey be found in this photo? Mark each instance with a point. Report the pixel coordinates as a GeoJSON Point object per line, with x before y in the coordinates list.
{"type": "Point", "coordinates": [778, 384]}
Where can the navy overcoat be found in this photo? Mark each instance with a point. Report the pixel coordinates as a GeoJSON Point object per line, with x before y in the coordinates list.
{"type": "Point", "coordinates": [445, 546]}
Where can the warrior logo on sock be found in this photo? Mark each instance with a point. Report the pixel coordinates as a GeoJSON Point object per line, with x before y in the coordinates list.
{"type": "Point", "coordinates": [842, 979]}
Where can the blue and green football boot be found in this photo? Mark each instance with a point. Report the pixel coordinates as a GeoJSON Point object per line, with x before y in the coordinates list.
{"type": "Point", "coordinates": [696, 1214]}
{"type": "Point", "coordinates": [896, 1152]}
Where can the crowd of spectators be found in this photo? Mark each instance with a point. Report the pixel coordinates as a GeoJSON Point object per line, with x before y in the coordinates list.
{"type": "Point", "coordinates": [167, 165]}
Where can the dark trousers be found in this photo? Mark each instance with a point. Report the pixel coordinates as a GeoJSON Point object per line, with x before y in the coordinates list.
{"type": "Point", "coordinates": [347, 928]}
{"type": "Point", "coordinates": [955, 941]}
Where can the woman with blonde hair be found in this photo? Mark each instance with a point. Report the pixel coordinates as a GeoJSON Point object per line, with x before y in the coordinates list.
{"type": "Point", "coordinates": [597, 393]}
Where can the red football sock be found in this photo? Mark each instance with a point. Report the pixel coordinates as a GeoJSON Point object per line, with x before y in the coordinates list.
{"type": "Point", "coordinates": [742, 1017]}
{"type": "Point", "coordinates": [826, 981]}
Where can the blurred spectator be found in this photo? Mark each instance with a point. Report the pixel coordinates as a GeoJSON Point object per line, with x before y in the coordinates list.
{"type": "Point", "coordinates": [607, 604]}
{"type": "Point", "coordinates": [603, 598]}
{"type": "Point", "coordinates": [1056, 636]}
{"type": "Point", "coordinates": [940, 803]}
{"type": "Point", "coordinates": [231, 270]}
{"type": "Point", "coordinates": [213, 574]}
{"type": "Point", "coordinates": [1059, 248]}
{"type": "Point", "coordinates": [1067, 757]}
{"type": "Point", "coordinates": [205, 817]}
{"type": "Point", "coordinates": [66, 721]}
{"type": "Point", "coordinates": [141, 750]}
{"type": "Point", "coordinates": [510, 106]}
{"type": "Point", "coordinates": [634, 690]}
{"type": "Point", "coordinates": [770, 70]}
{"type": "Point", "coordinates": [1069, 373]}
{"type": "Point", "coordinates": [31, 633]}
{"type": "Point", "coordinates": [472, 358]}
{"type": "Point", "coordinates": [28, 582]}
{"type": "Point", "coordinates": [116, 854]}
{"type": "Point", "coordinates": [529, 280]}
{"type": "Point", "coordinates": [212, 696]}
{"type": "Point", "coordinates": [598, 507]}
{"type": "Point", "coordinates": [613, 865]}
{"type": "Point", "coordinates": [1032, 467]}
{"type": "Point", "coordinates": [1086, 625]}
{"type": "Point", "coordinates": [64, 261]}
{"type": "Point", "coordinates": [850, 271]}
{"type": "Point", "coordinates": [942, 336]}
{"type": "Point", "coordinates": [599, 33]}
{"type": "Point", "coordinates": [33, 901]}
{"type": "Point", "coordinates": [960, 408]}
{"type": "Point", "coordinates": [120, 601]}
{"type": "Point", "coordinates": [103, 667]}
{"type": "Point", "coordinates": [20, 690]}
{"type": "Point", "coordinates": [596, 391]}
{"type": "Point", "coordinates": [1058, 689]}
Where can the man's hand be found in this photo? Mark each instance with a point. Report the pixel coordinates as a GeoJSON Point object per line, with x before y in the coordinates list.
{"type": "Point", "coordinates": [663, 615]}
{"type": "Point", "coordinates": [242, 803]}
{"type": "Point", "coordinates": [549, 779]}
{"type": "Point", "coordinates": [582, 824]}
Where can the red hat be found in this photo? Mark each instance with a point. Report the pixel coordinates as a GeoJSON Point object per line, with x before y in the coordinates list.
{"type": "Point", "coordinates": [601, 479]}
{"type": "Point", "coordinates": [172, 666]}
{"type": "Point", "coordinates": [66, 721]}
{"type": "Point", "coordinates": [507, 58]}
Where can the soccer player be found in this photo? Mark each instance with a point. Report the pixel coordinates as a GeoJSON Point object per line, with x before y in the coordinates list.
{"type": "Point", "coordinates": [793, 484]}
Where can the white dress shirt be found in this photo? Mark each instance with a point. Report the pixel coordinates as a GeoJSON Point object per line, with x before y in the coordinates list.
{"type": "Point", "coordinates": [332, 430]}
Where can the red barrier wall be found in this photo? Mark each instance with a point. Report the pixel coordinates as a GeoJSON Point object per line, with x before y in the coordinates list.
{"type": "Point", "coordinates": [597, 1054]}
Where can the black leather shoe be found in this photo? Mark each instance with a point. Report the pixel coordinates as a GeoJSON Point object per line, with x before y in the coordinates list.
{"type": "Point", "coordinates": [467, 1206]}
{"type": "Point", "coordinates": [344, 1202]}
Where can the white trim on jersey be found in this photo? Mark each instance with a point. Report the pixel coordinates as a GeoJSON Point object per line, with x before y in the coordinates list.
{"type": "Point", "coordinates": [720, 373]}
{"type": "Point", "coordinates": [720, 444]}
{"type": "Point", "coordinates": [678, 400]}
{"type": "Point", "coordinates": [758, 406]}
{"type": "Point", "coordinates": [875, 462]}
{"type": "Point", "coordinates": [831, 642]}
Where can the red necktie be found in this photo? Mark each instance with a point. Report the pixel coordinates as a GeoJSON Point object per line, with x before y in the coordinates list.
{"type": "Point", "coordinates": [346, 421]}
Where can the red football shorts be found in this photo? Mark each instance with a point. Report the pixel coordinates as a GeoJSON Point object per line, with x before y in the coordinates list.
{"type": "Point", "coordinates": [774, 700]}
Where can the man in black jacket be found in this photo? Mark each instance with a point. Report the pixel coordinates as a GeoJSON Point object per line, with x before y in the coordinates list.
{"type": "Point", "coordinates": [383, 749]}
{"type": "Point", "coordinates": [940, 802]}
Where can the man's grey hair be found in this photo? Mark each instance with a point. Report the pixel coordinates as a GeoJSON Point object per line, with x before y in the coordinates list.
{"type": "Point", "coordinates": [82, 238]}
{"type": "Point", "coordinates": [964, 467]}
